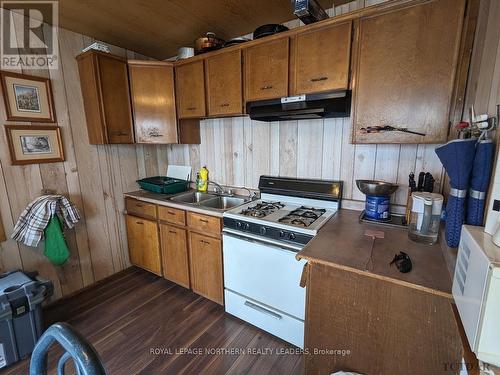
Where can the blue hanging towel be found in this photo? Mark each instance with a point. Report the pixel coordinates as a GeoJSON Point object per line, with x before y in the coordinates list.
{"type": "Point", "coordinates": [457, 158]}
{"type": "Point", "coordinates": [481, 174]}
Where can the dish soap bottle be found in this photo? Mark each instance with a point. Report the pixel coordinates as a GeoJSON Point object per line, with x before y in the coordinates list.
{"type": "Point", "coordinates": [202, 179]}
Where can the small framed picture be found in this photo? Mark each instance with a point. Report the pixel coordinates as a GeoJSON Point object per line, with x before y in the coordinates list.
{"type": "Point", "coordinates": [27, 98]}
{"type": "Point", "coordinates": [36, 144]}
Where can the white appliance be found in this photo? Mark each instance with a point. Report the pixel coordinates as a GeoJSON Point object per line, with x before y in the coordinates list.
{"type": "Point", "coordinates": [476, 290]}
{"type": "Point", "coordinates": [260, 242]}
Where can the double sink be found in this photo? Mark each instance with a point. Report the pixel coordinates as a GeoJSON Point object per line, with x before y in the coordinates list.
{"type": "Point", "coordinates": [209, 200]}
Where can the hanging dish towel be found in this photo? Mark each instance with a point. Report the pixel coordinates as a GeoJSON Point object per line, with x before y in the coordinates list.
{"type": "Point", "coordinates": [35, 218]}
{"type": "Point", "coordinates": [47, 215]}
{"type": "Point", "coordinates": [457, 158]}
{"type": "Point", "coordinates": [56, 248]}
{"type": "Point", "coordinates": [480, 180]}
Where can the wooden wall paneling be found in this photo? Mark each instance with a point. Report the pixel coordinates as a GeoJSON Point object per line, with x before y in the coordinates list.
{"type": "Point", "coordinates": [484, 58]}
{"type": "Point", "coordinates": [364, 167]}
{"type": "Point", "coordinates": [347, 159]}
{"type": "Point", "coordinates": [33, 259]}
{"type": "Point", "coordinates": [386, 164]}
{"type": "Point", "coordinates": [3, 236]}
{"type": "Point", "coordinates": [463, 62]}
{"type": "Point", "coordinates": [238, 148]}
{"type": "Point", "coordinates": [219, 144]}
{"type": "Point", "coordinates": [87, 158]}
{"type": "Point", "coordinates": [309, 148]}
{"type": "Point", "coordinates": [274, 146]}
{"type": "Point", "coordinates": [248, 140]}
{"type": "Point", "coordinates": [261, 150]}
{"type": "Point", "coordinates": [332, 149]}
{"type": "Point", "coordinates": [407, 160]}
{"type": "Point", "coordinates": [63, 179]}
{"type": "Point", "coordinates": [428, 161]}
{"type": "Point", "coordinates": [10, 257]}
{"type": "Point", "coordinates": [229, 167]}
{"type": "Point", "coordinates": [288, 148]}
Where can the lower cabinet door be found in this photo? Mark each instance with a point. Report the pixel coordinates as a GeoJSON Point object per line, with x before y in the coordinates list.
{"type": "Point", "coordinates": [143, 243]}
{"type": "Point", "coordinates": [174, 251]}
{"type": "Point", "coordinates": [206, 267]}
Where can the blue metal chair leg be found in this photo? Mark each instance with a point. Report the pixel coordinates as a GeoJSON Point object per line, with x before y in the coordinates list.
{"type": "Point", "coordinates": [86, 359]}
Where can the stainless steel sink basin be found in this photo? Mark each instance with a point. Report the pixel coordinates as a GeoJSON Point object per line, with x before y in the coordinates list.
{"type": "Point", "coordinates": [193, 197]}
{"type": "Point", "coordinates": [223, 203]}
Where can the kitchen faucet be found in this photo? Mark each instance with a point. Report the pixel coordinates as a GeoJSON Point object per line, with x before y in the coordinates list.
{"type": "Point", "coordinates": [220, 190]}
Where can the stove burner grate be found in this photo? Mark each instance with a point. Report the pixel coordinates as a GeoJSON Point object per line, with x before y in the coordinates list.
{"type": "Point", "coordinates": [262, 209]}
{"type": "Point", "coordinates": [302, 216]}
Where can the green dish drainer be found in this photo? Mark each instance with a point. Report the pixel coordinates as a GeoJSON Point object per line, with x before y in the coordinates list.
{"type": "Point", "coordinates": [163, 185]}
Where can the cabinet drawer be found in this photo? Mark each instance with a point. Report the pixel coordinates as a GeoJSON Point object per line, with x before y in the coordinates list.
{"type": "Point", "coordinates": [204, 223]}
{"type": "Point", "coordinates": [172, 215]}
{"type": "Point", "coordinates": [262, 316]}
{"type": "Point", "coordinates": [138, 208]}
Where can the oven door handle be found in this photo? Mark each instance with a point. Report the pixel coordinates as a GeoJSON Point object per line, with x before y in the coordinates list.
{"type": "Point", "coordinates": [262, 241]}
{"type": "Point", "coordinates": [262, 310]}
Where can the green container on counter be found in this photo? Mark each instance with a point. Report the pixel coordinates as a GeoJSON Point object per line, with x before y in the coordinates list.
{"type": "Point", "coordinates": [163, 185]}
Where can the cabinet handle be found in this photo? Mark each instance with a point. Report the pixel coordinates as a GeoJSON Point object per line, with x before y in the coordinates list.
{"type": "Point", "coordinates": [140, 222]}
{"type": "Point", "coordinates": [204, 220]}
{"type": "Point", "coordinates": [204, 242]}
{"type": "Point", "coordinates": [172, 231]}
{"type": "Point", "coordinates": [139, 205]}
{"type": "Point", "coordinates": [262, 310]}
{"type": "Point", "coordinates": [191, 108]}
{"type": "Point", "coordinates": [318, 79]}
{"type": "Point", "coordinates": [266, 87]}
{"type": "Point", "coordinates": [155, 135]}
{"type": "Point", "coordinates": [171, 212]}
{"type": "Point", "coordinates": [224, 105]}
{"type": "Point", "coordinates": [119, 133]}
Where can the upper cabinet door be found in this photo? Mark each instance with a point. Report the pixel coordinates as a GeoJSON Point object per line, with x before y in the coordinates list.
{"type": "Point", "coordinates": [224, 84]}
{"type": "Point", "coordinates": [266, 70]}
{"type": "Point", "coordinates": [106, 98]}
{"type": "Point", "coordinates": [190, 90]}
{"type": "Point", "coordinates": [153, 100]}
{"type": "Point", "coordinates": [320, 60]}
{"type": "Point", "coordinates": [405, 71]}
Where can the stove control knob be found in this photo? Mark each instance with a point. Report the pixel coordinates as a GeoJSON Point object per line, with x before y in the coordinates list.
{"type": "Point", "coordinates": [263, 230]}
{"type": "Point", "coordinates": [282, 233]}
{"type": "Point", "coordinates": [246, 226]}
{"type": "Point", "coordinates": [238, 224]}
{"type": "Point", "coordinates": [292, 236]}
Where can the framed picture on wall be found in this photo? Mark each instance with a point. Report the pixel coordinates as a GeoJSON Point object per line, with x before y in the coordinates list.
{"type": "Point", "coordinates": [34, 144]}
{"type": "Point", "coordinates": [27, 98]}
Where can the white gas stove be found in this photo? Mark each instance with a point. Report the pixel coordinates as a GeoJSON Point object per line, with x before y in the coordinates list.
{"type": "Point", "coordinates": [260, 241]}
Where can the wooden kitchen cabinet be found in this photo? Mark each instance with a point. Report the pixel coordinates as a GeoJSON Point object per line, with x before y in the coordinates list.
{"type": "Point", "coordinates": [393, 328]}
{"type": "Point", "coordinates": [153, 101]}
{"type": "Point", "coordinates": [224, 84]}
{"type": "Point", "coordinates": [143, 243]}
{"type": "Point", "coordinates": [405, 71]}
{"type": "Point", "coordinates": [106, 97]}
{"type": "Point", "coordinates": [320, 60]}
{"type": "Point", "coordinates": [174, 253]}
{"type": "Point", "coordinates": [205, 256]}
{"type": "Point", "coordinates": [190, 89]}
{"type": "Point", "coordinates": [266, 70]}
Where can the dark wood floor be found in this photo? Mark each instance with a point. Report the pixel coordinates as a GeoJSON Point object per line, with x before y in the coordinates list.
{"type": "Point", "coordinates": [142, 324]}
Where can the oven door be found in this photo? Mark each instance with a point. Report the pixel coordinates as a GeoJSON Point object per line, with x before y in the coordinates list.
{"type": "Point", "coordinates": [263, 272]}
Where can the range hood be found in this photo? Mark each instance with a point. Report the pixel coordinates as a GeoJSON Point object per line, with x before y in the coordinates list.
{"type": "Point", "coordinates": [302, 107]}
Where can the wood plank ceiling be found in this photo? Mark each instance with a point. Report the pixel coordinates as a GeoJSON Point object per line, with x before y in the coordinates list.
{"type": "Point", "coordinates": [157, 28]}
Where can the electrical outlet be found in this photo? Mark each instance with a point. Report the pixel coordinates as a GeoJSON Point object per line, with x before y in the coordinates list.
{"type": "Point", "coordinates": [496, 205]}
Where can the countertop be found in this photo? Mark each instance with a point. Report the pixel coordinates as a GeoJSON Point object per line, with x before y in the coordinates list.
{"type": "Point", "coordinates": [341, 243]}
{"type": "Point", "coordinates": [163, 200]}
